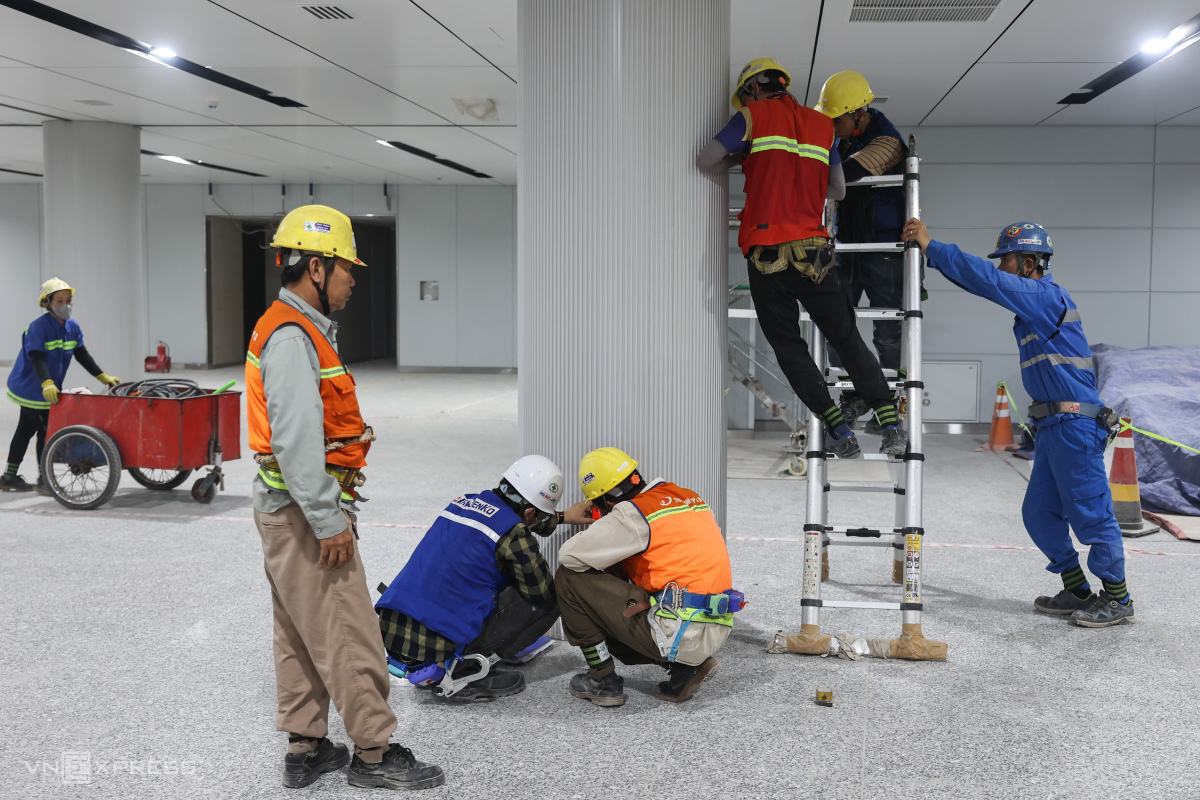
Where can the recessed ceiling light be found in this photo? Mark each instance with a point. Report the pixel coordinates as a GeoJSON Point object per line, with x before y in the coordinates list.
{"type": "Point", "coordinates": [162, 52]}
{"type": "Point", "coordinates": [195, 162]}
{"type": "Point", "coordinates": [175, 159]}
{"type": "Point", "coordinates": [445, 162]}
{"type": "Point", "coordinates": [1152, 52]}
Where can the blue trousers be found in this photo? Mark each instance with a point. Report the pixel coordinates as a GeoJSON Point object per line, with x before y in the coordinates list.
{"type": "Point", "coordinates": [1068, 487]}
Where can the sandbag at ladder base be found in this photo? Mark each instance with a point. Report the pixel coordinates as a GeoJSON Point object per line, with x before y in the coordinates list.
{"type": "Point", "coordinates": [911, 646]}
{"type": "Point", "coordinates": [809, 642]}
{"type": "Point", "coordinates": [1000, 437]}
{"type": "Point", "coordinates": [1123, 483]}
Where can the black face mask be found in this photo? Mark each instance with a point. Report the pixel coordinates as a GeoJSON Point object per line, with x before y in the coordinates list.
{"type": "Point", "coordinates": [543, 524]}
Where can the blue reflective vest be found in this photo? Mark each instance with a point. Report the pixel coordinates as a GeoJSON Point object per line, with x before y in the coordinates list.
{"type": "Point", "coordinates": [1056, 361]}
{"type": "Point", "coordinates": [451, 582]}
{"type": "Point", "coordinates": [57, 342]}
{"type": "Point", "coordinates": [868, 214]}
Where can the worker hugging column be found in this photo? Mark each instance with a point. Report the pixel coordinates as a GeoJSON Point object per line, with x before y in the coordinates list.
{"type": "Point", "coordinates": [623, 247]}
{"type": "Point", "coordinates": [93, 236]}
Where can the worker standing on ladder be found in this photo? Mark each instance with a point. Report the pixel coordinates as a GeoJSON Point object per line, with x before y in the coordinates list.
{"type": "Point", "coordinates": [868, 145]}
{"type": "Point", "coordinates": [1068, 485]}
{"type": "Point", "coordinates": [477, 581]}
{"type": "Point", "coordinates": [648, 583]}
{"type": "Point", "coordinates": [311, 445]}
{"type": "Point", "coordinates": [790, 169]}
{"type": "Point", "coordinates": [47, 347]}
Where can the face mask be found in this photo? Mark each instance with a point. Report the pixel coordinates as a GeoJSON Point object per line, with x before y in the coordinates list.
{"type": "Point", "coordinates": [545, 524]}
{"type": "Point", "coordinates": [62, 312]}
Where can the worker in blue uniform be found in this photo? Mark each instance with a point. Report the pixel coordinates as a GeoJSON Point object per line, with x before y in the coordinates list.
{"type": "Point", "coordinates": [1068, 485]}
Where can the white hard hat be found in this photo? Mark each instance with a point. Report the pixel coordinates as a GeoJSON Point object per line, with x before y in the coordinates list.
{"type": "Point", "coordinates": [538, 479]}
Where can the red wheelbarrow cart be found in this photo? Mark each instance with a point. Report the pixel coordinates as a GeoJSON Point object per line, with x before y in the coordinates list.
{"type": "Point", "coordinates": [160, 431]}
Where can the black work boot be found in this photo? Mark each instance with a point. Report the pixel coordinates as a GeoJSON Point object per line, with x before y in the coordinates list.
{"type": "Point", "coordinates": [1063, 604]}
{"type": "Point", "coordinates": [684, 680]}
{"type": "Point", "coordinates": [496, 684]}
{"type": "Point", "coordinates": [398, 770]}
{"type": "Point", "coordinates": [608, 691]}
{"type": "Point", "coordinates": [852, 407]}
{"type": "Point", "coordinates": [302, 769]}
{"type": "Point", "coordinates": [14, 483]}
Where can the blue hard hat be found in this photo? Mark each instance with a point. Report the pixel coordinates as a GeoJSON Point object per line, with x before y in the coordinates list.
{"type": "Point", "coordinates": [1023, 237]}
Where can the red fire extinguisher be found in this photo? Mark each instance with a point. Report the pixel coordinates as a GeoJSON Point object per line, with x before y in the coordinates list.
{"type": "Point", "coordinates": [161, 360]}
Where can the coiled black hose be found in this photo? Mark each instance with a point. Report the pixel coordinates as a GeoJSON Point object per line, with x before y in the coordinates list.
{"type": "Point", "coordinates": [159, 388]}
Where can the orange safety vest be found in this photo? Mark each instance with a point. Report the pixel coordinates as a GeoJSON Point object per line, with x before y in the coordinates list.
{"type": "Point", "coordinates": [686, 546]}
{"type": "Point", "coordinates": [787, 172]}
{"type": "Point", "coordinates": [343, 421]}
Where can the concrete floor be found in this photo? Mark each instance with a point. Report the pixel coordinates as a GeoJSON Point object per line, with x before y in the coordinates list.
{"type": "Point", "coordinates": [140, 633]}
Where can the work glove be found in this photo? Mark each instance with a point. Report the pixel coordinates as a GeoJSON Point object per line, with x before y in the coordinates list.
{"type": "Point", "coordinates": [50, 391]}
{"type": "Point", "coordinates": [108, 380]}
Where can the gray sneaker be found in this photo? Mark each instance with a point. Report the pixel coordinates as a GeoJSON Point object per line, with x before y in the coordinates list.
{"type": "Point", "coordinates": [852, 407]}
{"type": "Point", "coordinates": [608, 691]}
{"type": "Point", "coordinates": [1063, 604]}
{"type": "Point", "coordinates": [846, 447]}
{"type": "Point", "coordinates": [895, 442]}
{"type": "Point", "coordinates": [1103, 612]}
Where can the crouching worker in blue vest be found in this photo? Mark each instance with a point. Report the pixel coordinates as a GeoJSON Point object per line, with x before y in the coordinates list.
{"type": "Point", "coordinates": [477, 588]}
{"type": "Point", "coordinates": [1068, 486]}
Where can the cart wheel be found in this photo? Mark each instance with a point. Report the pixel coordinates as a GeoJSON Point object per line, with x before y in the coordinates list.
{"type": "Point", "coordinates": [161, 479]}
{"type": "Point", "coordinates": [82, 467]}
{"type": "Point", "coordinates": [204, 490]}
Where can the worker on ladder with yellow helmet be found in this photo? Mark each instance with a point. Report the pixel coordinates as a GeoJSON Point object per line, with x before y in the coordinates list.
{"type": "Point", "coordinates": [311, 446]}
{"type": "Point", "coordinates": [649, 582]}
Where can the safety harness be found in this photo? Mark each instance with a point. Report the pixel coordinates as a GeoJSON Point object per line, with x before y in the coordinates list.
{"type": "Point", "coordinates": [674, 602]}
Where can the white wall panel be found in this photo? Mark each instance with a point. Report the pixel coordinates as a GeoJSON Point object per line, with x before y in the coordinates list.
{"type": "Point", "coordinates": [21, 267]}
{"type": "Point", "coordinates": [1177, 196]}
{"type": "Point", "coordinates": [1177, 145]}
{"type": "Point", "coordinates": [1034, 145]}
{"type": "Point", "coordinates": [426, 249]}
{"type": "Point", "coordinates": [487, 296]}
{"type": "Point", "coordinates": [957, 322]}
{"type": "Point", "coordinates": [1173, 318]}
{"type": "Point", "coordinates": [1176, 260]}
{"type": "Point", "coordinates": [1120, 318]}
{"type": "Point", "coordinates": [175, 266]}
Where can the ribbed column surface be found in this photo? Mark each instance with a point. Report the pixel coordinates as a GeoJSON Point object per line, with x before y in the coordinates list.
{"type": "Point", "coordinates": [93, 237]}
{"type": "Point", "coordinates": [622, 241]}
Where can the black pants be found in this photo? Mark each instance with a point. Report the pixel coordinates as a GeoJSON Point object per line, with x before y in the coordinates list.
{"type": "Point", "coordinates": [32, 422]}
{"type": "Point", "coordinates": [775, 302]}
{"type": "Point", "coordinates": [881, 277]}
{"type": "Point", "coordinates": [514, 625]}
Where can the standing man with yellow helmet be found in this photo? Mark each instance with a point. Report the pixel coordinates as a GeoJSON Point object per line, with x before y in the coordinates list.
{"type": "Point", "coordinates": [311, 445]}
{"type": "Point", "coordinates": [47, 347]}
{"type": "Point", "coordinates": [791, 166]}
{"type": "Point", "coordinates": [868, 144]}
{"type": "Point", "coordinates": [649, 582]}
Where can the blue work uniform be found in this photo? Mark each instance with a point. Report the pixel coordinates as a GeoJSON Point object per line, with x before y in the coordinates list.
{"type": "Point", "coordinates": [57, 343]}
{"type": "Point", "coordinates": [1068, 484]}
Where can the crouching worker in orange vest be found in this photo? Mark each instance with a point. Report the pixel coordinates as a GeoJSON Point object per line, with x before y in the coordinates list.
{"type": "Point", "coordinates": [311, 445]}
{"type": "Point", "coordinates": [649, 582]}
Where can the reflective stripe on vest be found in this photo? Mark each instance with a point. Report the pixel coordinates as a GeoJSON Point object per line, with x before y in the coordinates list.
{"type": "Point", "coordinates": [791, 146]}
{"type": "Point", "coordinates": [273, 478]}
{"type": "Point", "coordinates": [60, 344]}
{"type": "Point", "coordinates": [343, 420]}
{"type": "Point", "coordinates": [1059, 360]}
{"type": "Point", "coordinates": [685, 547]}
{"type": "Point", "coordinates": [37, 405]}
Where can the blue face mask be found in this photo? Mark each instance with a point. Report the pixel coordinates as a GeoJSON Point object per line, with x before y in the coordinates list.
{"type": "Point", "coordinates": [62, 312]}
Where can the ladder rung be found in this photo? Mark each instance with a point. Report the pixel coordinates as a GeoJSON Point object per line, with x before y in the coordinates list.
{"type": "Point", "coordinates": [883, 531]}
{"type": "Point", "coordinates": [878, 457]}
{"type": "Point", "coordinates": [841, 373]}
{"type": "Point", "coordinates": [860, 486]}
{"type": "Point", "coordinates": [860, 604]}
{"type": "Point", "coordinates": [850, 384]}
{"type": "Point", "coordinates": [869, 247]}
{"type": "Point", "coordinates": [877, 180]}
{"type": "Point", "coordinates": [878, 313]}
{"type": "Point", "coordinates": [860, 543]}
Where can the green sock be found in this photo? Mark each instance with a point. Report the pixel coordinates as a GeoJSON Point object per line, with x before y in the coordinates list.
{"type": "Point", "coordinates": [11, 470]}
{"type": "Point", "coordinates": [1117, 591]}
{"type": "Point", "coordinates": [887, 415]}
{"type": "Point", "coordinates": [599, 662]}
{"type": "Point", "coordinates": [1075, 582]}
{"type": "Point", "coordinates": [833, 417]}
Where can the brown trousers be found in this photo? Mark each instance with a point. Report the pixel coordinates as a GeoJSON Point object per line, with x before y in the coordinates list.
{"type": "Point", "coordinates": [327, 642]}
{"type": "Point", "coordinates": [592, 605]}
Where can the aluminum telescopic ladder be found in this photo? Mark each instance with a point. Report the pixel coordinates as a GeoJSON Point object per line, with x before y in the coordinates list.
{"type": "Point", "coordinates": [905, 537]}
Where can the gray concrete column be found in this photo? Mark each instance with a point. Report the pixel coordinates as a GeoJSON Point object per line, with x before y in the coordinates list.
{"type": "Point", "coordinates": [93, 236]}
{"type": "Point", "coordinates": [622, 242]}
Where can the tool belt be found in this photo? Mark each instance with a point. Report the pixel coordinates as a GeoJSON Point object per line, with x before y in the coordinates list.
{"type": "Point", "coordinates": [812, 257]}
{"type": "Point", "coordinates": [348, 479]}
{"type": "Point", "coordinates": [1104, 415]}
{"type": "Point", "coordinates": [674, 602]}
{"type": "Point", "coordinates": [368, 436]}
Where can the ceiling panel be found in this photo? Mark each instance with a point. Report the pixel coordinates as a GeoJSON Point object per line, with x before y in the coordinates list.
{"type": "Point", "coordinates": [1017, 94]}
{"type": "Point", "coordinates": [30, 85]}
{"type": "Point", "coordinates": [1190, 118]}
{"type": "Point", "coordinates": [1159, 92]}
{"type": "Point", "coordinates": [507, 137]}
{"type": "Point", "coordinates": [436, 87]}
{"type": "Point", "coordinates": [782, 29]}
{"type": "Point", "coordinates": [491, 27]}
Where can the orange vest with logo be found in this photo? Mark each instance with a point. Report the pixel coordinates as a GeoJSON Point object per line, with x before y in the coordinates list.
{"type": "Point", "coordinates": [787, 172]}
{"type": "Point", "coordinates": [343, 421]}
{"type": "Point", "coordinates": [686, 545]}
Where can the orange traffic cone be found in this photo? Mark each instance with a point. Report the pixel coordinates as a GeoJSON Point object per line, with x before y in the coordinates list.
{"type": "Point", "coordinates": [1123, 483]}
{"type": "Point", "coordinates": [1001, 436]}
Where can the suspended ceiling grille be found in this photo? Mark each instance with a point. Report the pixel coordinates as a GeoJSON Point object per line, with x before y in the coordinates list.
{"type": "Point", "coordinates": [922, 10]}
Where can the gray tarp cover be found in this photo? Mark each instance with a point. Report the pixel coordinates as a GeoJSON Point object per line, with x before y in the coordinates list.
{"type": "Point", "coordinates": [1159, 389]}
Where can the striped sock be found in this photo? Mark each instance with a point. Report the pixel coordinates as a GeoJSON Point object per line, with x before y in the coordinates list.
{"type": "Point", "coordinates": [1075, 582]}
{"type": "Point", "coordinates": [11, 470]}
{"type": "Point", "coordinates": [833, 418]}
{"type": "Point", "coordinates": [887, 415]}
{"type": "Point", "coordinates": [1117, 591]}
{"type": "Point", "coordinates": [599, 661]}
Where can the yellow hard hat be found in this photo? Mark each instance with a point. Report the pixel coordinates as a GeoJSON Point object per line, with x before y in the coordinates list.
{"type": "Point", "coordinates": [754, 67]}
{"type": "Point", "coordinates": [50, 287]}
{"type": "Point", "coordinates": [318, 229]}
{"type": "Point", "coordinates": [844, 92]}
{"type": "Point", "coordinates": [603, 469]}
